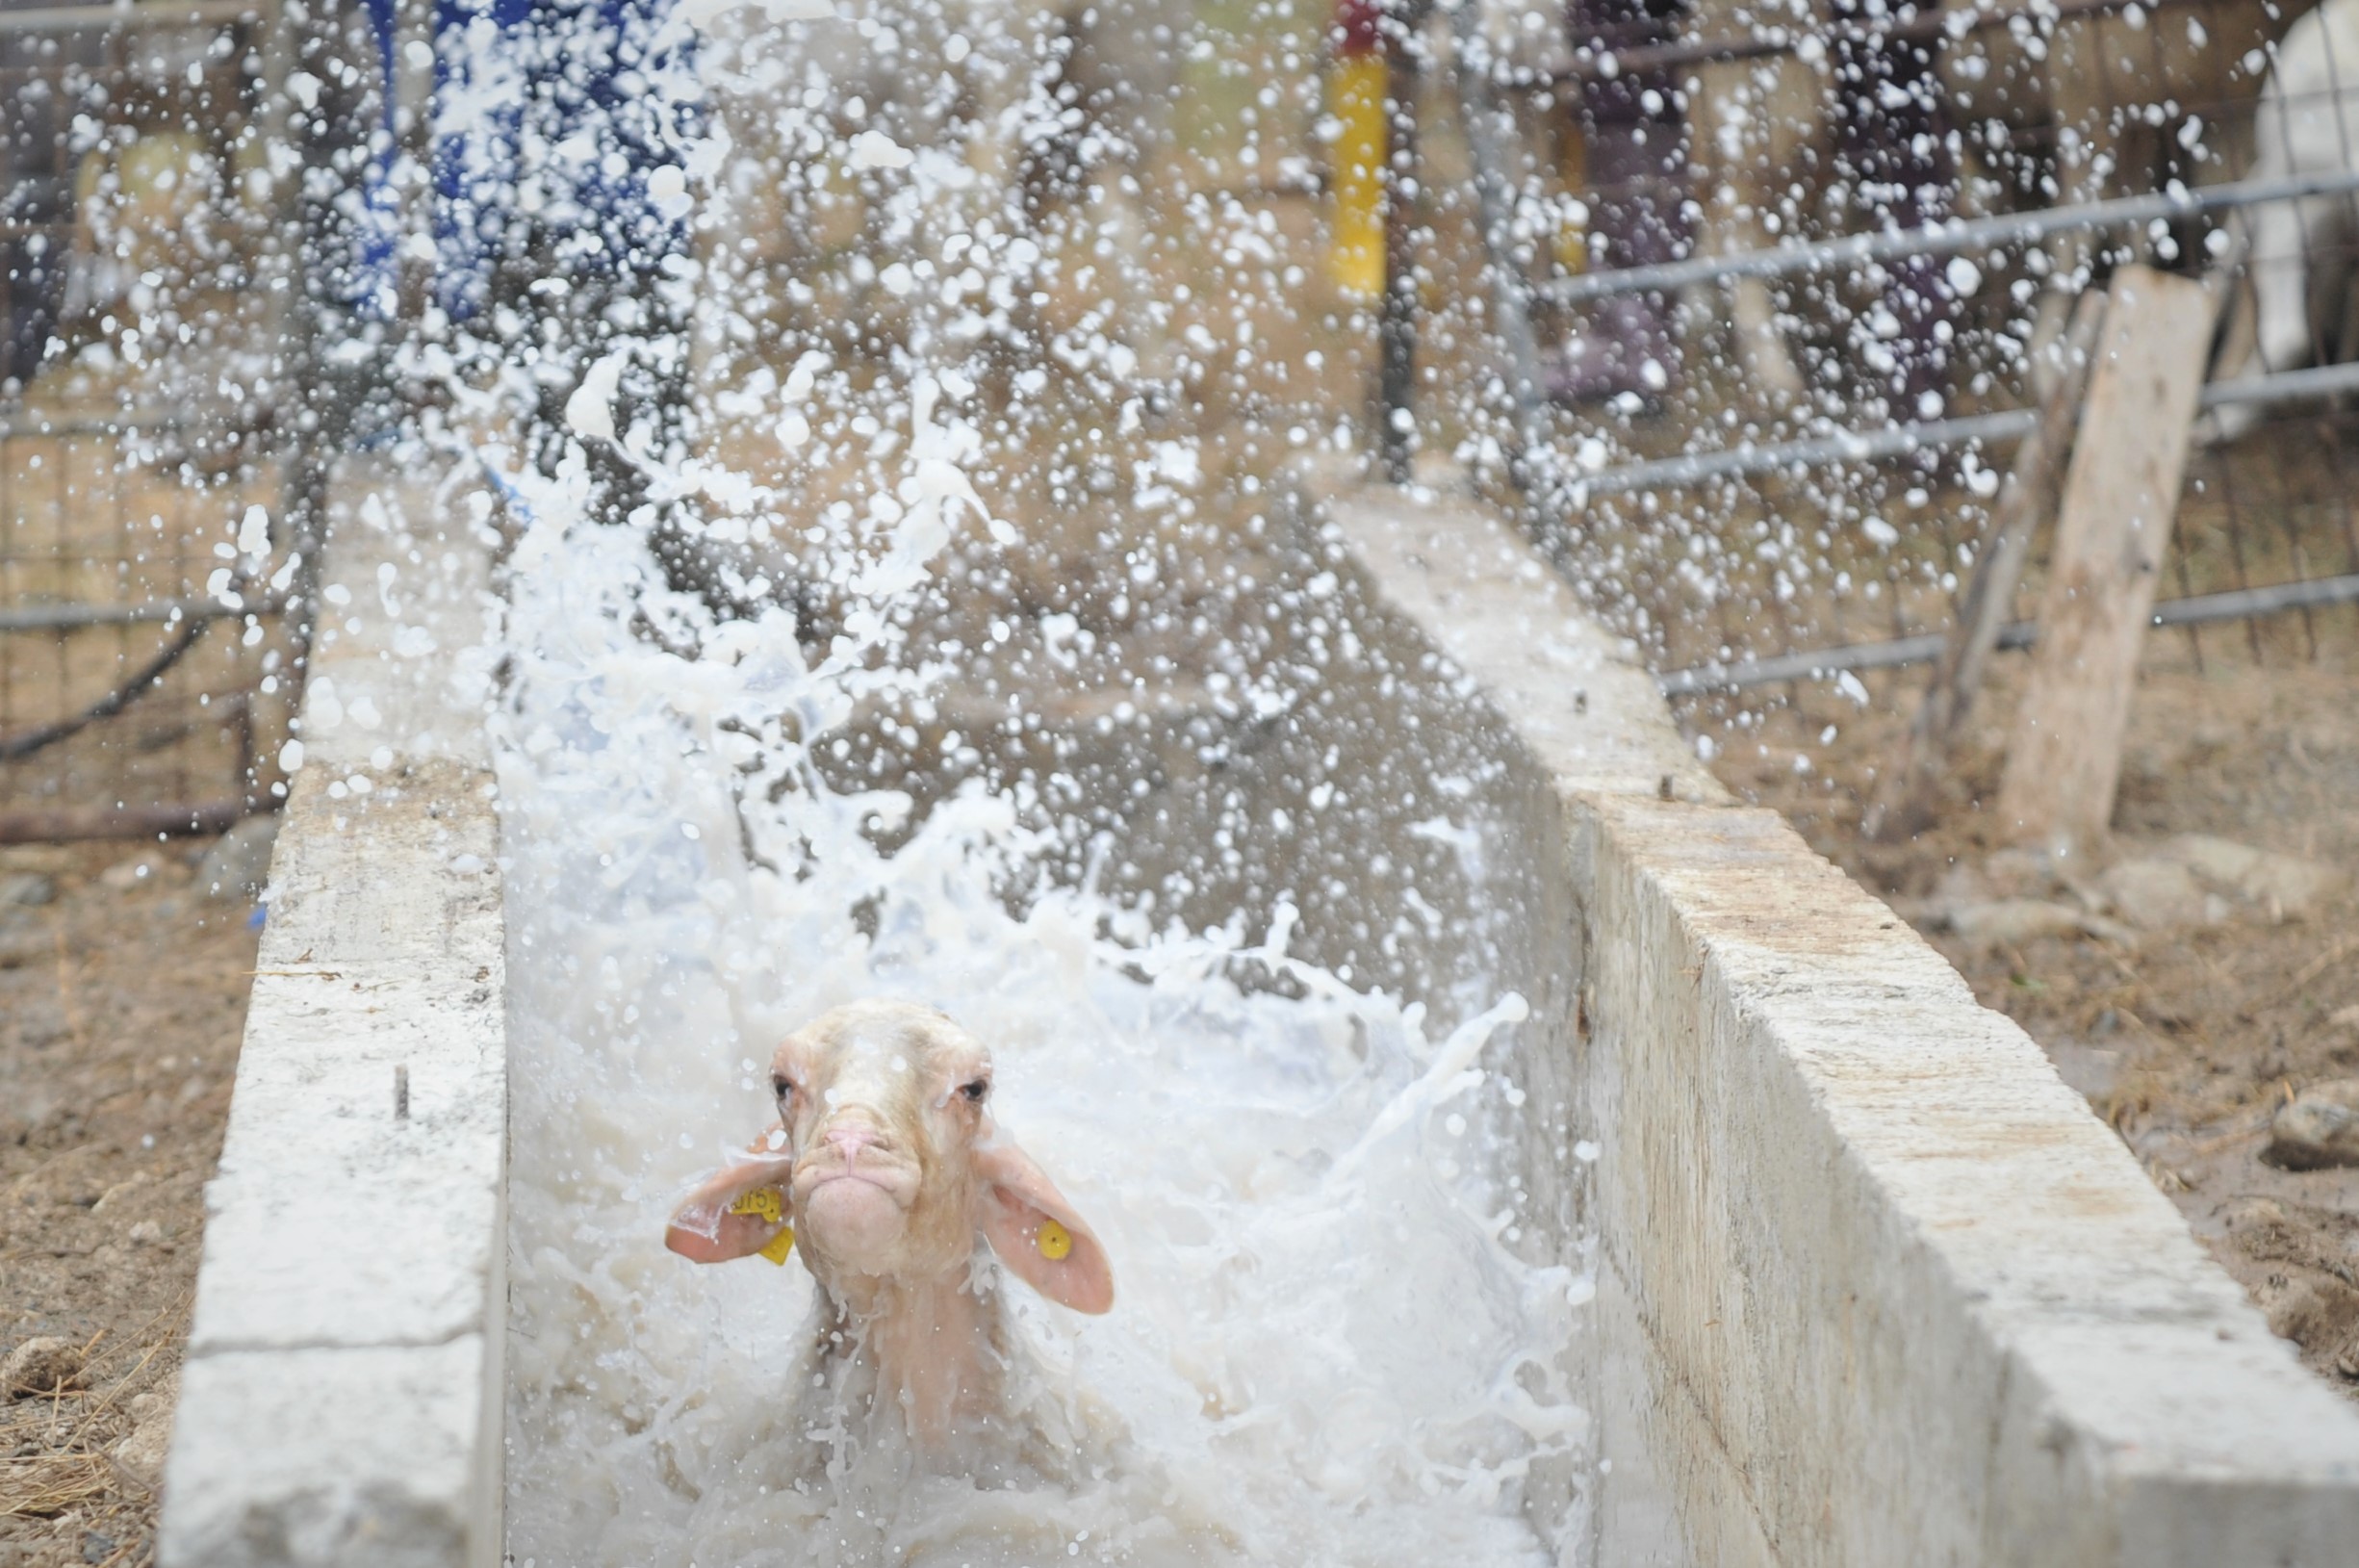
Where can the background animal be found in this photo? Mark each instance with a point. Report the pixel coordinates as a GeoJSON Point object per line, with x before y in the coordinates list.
{"type": "Point", "coordinates": [2300, 257]}
{"type": "Point", "coordinates": [893, 1178]}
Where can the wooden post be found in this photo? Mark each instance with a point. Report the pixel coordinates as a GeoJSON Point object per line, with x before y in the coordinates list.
{"type": "Point", "coordinates": [2063, 759]}
{"type": "Point", "coordinates": [1904, 796]}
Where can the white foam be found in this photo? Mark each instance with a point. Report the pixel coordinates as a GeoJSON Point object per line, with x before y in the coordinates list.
{"type": "Point", "coordinates": [1320, 1351]}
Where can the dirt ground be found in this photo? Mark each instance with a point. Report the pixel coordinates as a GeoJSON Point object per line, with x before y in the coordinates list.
{"type": "Point", "coordinates": [121, 1007]}
{"type": "Point", "coordinates": [122, 1001]}
{"type": "Point", "coordinates": [2185, 1039]}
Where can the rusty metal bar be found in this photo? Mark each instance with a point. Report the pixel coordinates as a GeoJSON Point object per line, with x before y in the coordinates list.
{"type": "Point", "coordinates": [2241, 604]}
{"type": "Point", "coordinates": [1941, 239]}
{"type": "Point", "coordinates": [118, 425]}
{"type": "Point", "coordinates": [1898, 440]}
{"type": "Point", "coordinates": [56, 824]}
{"type": "Point", "coordinates": [71, 617]}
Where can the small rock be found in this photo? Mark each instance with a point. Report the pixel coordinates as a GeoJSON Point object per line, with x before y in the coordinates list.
{"type": "Point", "coordinates": [41, 1366]}
{"type": "Point", "coordinates": [2093, 1070]}
{"type": "Point", "coordinates": [141, 870]}
{"type": "Point", "coordinates": [2319, 1129]}
{"type": "Point", "coordinates": [2155, 894]}
{"type": "Point", "coordinates": [159, 1400]}
{"type": "Point", "coordinates": [2309, 1308]}
{"type": "Point", "coordinates": [143, 1450]}
{"type": "Point", "coordinates": [2022, 872]}
{"type": "Point", "coordinates": [146, 1233]}
{"type": "Point", "coordinates": [2284, 887]}
{"type": "Point", "coordinates": [96, 1548]}
{"type": "Point", "coordinates": [128, 1189]}
{"type": "Point", "coordinates": [27, 889]}
{"type": "Point", "coordinates": [20, 945]}
{"type": "Point", "coordinates": [1961, 884]}
{"type": "Point", "coordinates": [2018, 920]}
{"type": "Point", "coordinates": [239, 864]}
{"type": "Point", "coordinates": [2253, 1216]}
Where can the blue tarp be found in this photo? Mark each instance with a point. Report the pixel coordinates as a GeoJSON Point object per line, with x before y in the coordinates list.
{"type": "Point", "coordinates": [548, 119]}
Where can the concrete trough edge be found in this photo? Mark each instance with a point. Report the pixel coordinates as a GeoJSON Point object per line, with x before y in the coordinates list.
{"type": "Point", "coordinates": [1886, 1291]}
{"type": "Point", "coordinates": [1875, 1286]}
{"type": "Point", "coordinates": [341, 1398]}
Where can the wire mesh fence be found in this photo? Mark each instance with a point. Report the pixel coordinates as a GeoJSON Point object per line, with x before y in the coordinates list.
{"type": "Point", "coordinates": [1863, 566]}
{"type": "Point", "coordinates": [156, 475]}
{"type": "Point", "coordinates": [147, 670]}
{"type": "Point", "coordinates": [1785, 323]}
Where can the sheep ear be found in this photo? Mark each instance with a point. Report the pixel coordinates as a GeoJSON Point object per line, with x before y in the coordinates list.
{"type": "Point", "coordinates": [1035, 1232]}
{"type": "Point", "coordinates": [711, 1226]}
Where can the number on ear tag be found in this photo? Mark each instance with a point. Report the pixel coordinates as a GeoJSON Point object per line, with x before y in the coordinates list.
{"type": "Point", "coordinates": [765, 1201]}
{"type": "Point", "coordinates": [770, 1204]}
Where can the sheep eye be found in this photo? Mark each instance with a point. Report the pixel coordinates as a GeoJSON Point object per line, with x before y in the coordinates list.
{"type": "Point", "coordinates": [784, 1086]}
{"type": "Point", "coordinates": [975, 1090]}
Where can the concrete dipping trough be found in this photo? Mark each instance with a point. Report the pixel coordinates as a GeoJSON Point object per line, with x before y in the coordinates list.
{"type": "Point", "coordinates": [1874, 1286]}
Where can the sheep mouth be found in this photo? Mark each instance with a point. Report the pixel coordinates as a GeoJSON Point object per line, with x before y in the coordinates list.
{"type": "Point", "coordinates": [874, 1178]}
{"type": "Point", "coordinates": [893, 1181]}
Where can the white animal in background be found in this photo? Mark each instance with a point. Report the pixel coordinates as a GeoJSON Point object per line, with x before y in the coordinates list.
{"type": "Point", "coordinates": [887, 1172]}
{"type": "Point", "coordinates": [2301, 251]}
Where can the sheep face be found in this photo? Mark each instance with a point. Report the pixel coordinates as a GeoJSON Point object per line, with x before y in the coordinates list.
{"type": "Point", "coordinates": [883, 1106]}
{"type": "Point", "coordinates": [891, 1165]}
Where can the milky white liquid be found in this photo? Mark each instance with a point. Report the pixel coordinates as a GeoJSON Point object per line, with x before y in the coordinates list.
{"type": "Point", "coordinates": [1319, 1353]}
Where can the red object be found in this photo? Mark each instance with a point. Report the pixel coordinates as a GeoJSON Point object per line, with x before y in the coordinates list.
{"type": "Point", "coordinates": [1359, 27]}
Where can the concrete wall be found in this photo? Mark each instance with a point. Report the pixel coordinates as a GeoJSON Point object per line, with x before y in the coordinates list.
{"type": "Point", "coordinates": [1874, 1287]}
{"type": "Point", "coordinates": [341, 1398]}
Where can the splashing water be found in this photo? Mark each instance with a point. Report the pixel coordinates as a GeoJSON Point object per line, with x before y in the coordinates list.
{"type": "Point", "coordinates": [1322, 1350]}
{"type": "Point", "coordinates": [1323, 1347]}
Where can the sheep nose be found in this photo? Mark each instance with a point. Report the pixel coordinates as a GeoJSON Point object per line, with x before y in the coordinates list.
{"type": "Point", "coordinates": [848, 1142]}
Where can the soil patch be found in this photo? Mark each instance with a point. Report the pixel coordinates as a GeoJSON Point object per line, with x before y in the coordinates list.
{"type": "Point", "coordinates": [122, 1002]}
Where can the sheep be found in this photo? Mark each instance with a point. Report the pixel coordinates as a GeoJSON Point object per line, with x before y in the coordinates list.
{"type": "Point", "coordinates": [2300, 251]}
{"type": "Point", "coordinates": [888, 1174]}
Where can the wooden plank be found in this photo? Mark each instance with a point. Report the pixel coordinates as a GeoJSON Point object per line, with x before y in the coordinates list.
{"type": "Point", "coordinates": [2063, 757]}
{"type": "Point", "coordinates": [1906, 795]}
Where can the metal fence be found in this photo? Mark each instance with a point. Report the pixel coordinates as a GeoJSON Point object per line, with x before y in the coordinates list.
{"type": "Point", "coordinates": [153, 502]}
{"type": "Point", "coordinates": [2265, 529]}
{"type": "Point", "coordinates": [1743, 541]}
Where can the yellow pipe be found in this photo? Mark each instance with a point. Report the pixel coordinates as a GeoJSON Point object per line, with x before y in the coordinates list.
{"type": "Point", "coordinates": [1572, 242]}
{"type": "Point", "coordinates": [1355, 97]}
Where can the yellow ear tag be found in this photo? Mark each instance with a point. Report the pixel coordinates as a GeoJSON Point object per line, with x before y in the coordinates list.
{"type": "Point", "coordinates": [1054, 1241]}
{"type": "Point", "coordinates": [768, 1203]}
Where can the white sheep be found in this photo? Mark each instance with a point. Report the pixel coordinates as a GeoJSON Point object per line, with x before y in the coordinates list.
{"type": "Point", "coordinates": [885, 1173]}
{"type": "Point", "coordinates": [2300, 255]}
